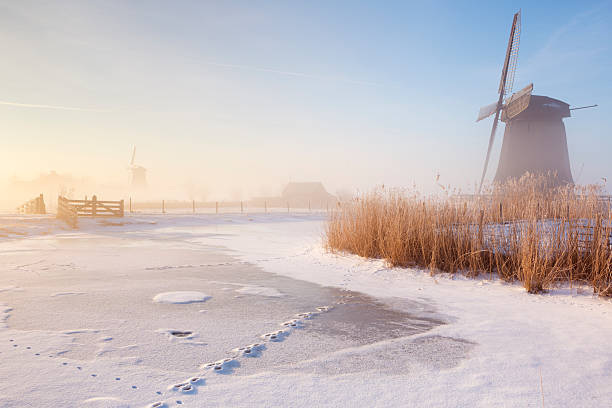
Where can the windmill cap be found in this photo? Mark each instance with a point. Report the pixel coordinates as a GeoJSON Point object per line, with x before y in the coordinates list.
{"type": "Point", "coordinates": [544, 107]}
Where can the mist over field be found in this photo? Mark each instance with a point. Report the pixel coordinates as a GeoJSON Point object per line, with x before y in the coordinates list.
{"type": "Point", "coordinates": [227, 102]}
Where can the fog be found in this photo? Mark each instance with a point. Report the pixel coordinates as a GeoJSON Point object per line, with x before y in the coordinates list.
{"type": "Point", "coordinates": [228, 103]}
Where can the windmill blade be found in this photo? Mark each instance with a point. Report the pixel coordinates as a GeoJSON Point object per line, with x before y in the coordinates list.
{"type": "Point", "coordinates": [517, 103]}
{"type": "Point", "coordinates": [133, 155]}
{"type": "Point", "coordinates": [486, 111]}
{"type": "Point", "coordinates": [511, 59]}
{"type": "Point", "coordinates": [491, 140]}
{"type": "Point", "coordinates": [510, 51]}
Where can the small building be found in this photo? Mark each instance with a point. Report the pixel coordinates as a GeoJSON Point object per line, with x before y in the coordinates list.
{"type": "Point", "coordinates": [300, 195]}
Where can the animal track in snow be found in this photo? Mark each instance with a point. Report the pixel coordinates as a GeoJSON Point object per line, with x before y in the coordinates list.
{"type": "Point", "coordinates": [251, 350]}
{"type": "Point", "coordinates": [220, 366]}
{"type": "Point", "coordinates": [278, 335]}
{"type": "Point", "coordinates": [295, 323]}
{"type": "Point", "coordinates": [226, 365]}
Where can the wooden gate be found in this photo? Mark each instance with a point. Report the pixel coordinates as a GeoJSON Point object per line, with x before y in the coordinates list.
{"type": "Point", "coordinates": [34, 206]}
{"type": "Point", "coordinates": [70, 210]}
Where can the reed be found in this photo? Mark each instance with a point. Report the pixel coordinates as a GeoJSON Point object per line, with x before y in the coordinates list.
{"type": "Point", "coordinates": [522, 231]}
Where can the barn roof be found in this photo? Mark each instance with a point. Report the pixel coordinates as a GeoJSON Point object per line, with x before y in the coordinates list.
{"type": "Point", "coordinates": [305, 189]}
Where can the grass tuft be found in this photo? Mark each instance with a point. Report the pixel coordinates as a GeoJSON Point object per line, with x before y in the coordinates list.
{"type": "Point", "coordinates": [522, 231]}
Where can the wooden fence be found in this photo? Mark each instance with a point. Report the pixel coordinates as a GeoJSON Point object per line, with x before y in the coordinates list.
{"type": "Point", "coordinates": [66, 212]}
{"type": "Point", "coordinates": [34, 206]}
{"type": "Point", "coordinates": [586, 236]}
{"type": "Point", "coordinates": [591, 236]}
{"type": "Point", "coordinates": [70, 210]}
{"type": "Point", "coordinates": [227, 207]}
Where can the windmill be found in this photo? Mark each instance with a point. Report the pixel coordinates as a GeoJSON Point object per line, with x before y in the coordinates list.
{"type": "Point", "coordinates": [534, 138]}
{"type": "Point", "coordinates": [138, 174]}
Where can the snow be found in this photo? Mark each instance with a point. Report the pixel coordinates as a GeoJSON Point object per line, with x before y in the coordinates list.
{"type": "Point", "coordinates": [499, 346]}
{"type": "Point", "coordinates": [180, 297]}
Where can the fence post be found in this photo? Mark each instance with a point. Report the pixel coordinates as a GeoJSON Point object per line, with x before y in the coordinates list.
{"type": "Point", "coordinates": [216, 207]}
{"type": "Point", "coordinates": [241, 208]}
{"type": "Point", "coordinates": [309, 209]}
{"type": "Point", "coordinates": [41, 204]}
{"type": "Point", "coordinates": [94, 204]}
{"type": "Point", "coordinates": [193, 205]}
{"type": "Point", "coordinates": [287, 206]}
{"type": "Point", "coordinates": [121, 209]}
{"type": "Point", "coordinates": [265, 206]}
{"type": "Point", "coordinates": [130, 205]}
{"type": "Point", "coordinates": [480, 232]}
{"type": "Point", "coordinates": [163, 206]}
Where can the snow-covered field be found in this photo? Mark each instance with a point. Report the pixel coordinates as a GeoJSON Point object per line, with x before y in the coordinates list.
{"type": "Point", "coordinates": [239, 310]}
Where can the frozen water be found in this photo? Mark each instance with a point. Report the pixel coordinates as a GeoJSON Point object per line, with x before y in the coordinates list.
{"type": "Point", "coordinates": [259, 291]}
{"type": "Point", "coordinates": [181, 297]}
{"type": "Point", "coordinates": [388, 337]}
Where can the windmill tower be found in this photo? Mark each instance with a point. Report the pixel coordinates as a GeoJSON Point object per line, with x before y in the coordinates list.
{"type": "Point", "coordinates": [534, 138]}
{"type": "Point", "coordinates": [138, 174]}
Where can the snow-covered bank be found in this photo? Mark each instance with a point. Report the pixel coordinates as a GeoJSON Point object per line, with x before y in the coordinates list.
{"type": "Point", "coordinates": [497, 345]}
{"type": "Point", "coordinates": [561, 336]}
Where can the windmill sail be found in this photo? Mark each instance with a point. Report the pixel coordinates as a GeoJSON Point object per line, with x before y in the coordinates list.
{"type": "Point", "coordinates": [517, 103]}
{"type": "Point", "coordinates": [511, 55]}
{"type": "Point", "coordinates": [486, 111]}
{"type": "Point", "coordinates": [508, 63]}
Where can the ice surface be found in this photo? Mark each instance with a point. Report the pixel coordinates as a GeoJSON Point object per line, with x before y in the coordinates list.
{"type": "Point", "coordinates": [181, 297]}
{"type": "Point", "coordinates": [259, 291]}
{"type": "Point", "coordinates": [390, 336]}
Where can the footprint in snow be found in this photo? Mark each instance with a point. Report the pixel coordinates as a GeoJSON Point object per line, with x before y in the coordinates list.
{"type": "Point", "coordinates": [187, 386]}
{"type": "Point", "coordinates": [293, 323]}
{"type": "Point", "coordinates": [276, 336]}
{"type": "Point", "coordinates": [252, 350]}
{"type": "Point", "coordinates": [225, 366]}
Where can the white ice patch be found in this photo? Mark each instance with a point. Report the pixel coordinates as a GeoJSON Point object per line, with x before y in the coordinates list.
{"type": "Point", "coordinates": [181, 297]}
{"type": "Point", "coordinates": [81, 331]}
{"type": "Point", "coordinates": [260, 291]}
{"type": "Point", "coordinates": [105, 402]}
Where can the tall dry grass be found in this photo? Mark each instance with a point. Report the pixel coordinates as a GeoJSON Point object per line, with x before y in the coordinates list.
{"type": "Point", "coordinates": [523, 231]}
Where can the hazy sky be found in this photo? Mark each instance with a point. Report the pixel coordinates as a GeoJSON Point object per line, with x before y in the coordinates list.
{"type": "Point", "coordinates": [245, 96]}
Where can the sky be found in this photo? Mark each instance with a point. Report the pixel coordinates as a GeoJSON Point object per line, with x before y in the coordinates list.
{"type": "Point", "coordinates": [236, 98]}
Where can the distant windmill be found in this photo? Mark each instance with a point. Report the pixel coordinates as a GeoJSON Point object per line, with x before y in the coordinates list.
{"type": "Point", "coordinates": [534, 139]}
{"type": "Point", "coordinates": [138, 174]}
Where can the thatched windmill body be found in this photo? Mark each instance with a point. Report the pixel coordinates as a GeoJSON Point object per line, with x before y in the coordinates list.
{"type": "Point", "coordinates": [534, 138]}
